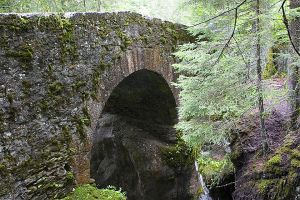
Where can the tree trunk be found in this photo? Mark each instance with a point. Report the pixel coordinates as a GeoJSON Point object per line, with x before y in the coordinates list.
{"type": "Point", "coordinates": [99, 5]}
{"type": "Point", "coordinates": [294, 69]}
{"type": "Point", "coordinates": [259, 81]}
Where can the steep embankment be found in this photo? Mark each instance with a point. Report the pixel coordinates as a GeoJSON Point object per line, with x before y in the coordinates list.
{"type": "Point", "coordinates": [277, 174]}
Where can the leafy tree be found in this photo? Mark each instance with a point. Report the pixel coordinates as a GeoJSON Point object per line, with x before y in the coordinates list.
{"type": "Point", "coordinates": [294, 37]}
{"type": "Point", "coordinates": [167, 9]}
{"type": "Point", "coordinates": [218, 85]}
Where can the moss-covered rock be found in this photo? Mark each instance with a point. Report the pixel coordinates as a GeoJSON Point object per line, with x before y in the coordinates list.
{"type": "Point", "coordinates": [89, 192]}
{"type": "Point", "coordinates": [178, 155]}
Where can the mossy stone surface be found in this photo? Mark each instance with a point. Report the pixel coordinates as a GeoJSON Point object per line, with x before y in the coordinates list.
{"type": "Point", "coordinates": [57, 72]}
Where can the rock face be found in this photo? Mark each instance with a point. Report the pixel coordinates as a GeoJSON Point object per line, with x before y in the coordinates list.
{"type": "Point", "coordinates": [57, 73]}
{"type": "Point", "coordinates": [275, 176]}
{"type": "Point", "coordinates": [129, 156]}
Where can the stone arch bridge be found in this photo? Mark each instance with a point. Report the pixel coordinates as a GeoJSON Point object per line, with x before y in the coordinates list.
{"type": "Point", "coordinates": [76, 91]}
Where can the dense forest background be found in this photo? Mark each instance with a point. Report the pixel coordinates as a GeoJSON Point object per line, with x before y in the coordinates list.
{"type": "Point", "coordinates": [169, 9]}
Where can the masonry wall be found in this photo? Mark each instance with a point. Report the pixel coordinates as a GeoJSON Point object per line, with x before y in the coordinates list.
{"type": "Point", "coordinates": [56, 73]}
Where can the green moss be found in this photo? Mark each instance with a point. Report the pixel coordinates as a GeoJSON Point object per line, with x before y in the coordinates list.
{"type": "Point", "coordinates": [85, 95]}
{"type": "Point", "coordinates": [264, 185]}
{"type": "Point", "coordinates": [66, 134]}
{"type": "Point", "coordinates": [81, 122]}
{"type": "Point", "coordinates": [275, 160]}
{"type": "Point", "coordinates": [234, 155]}
{"type": "Point", "coordinates": [24, 55]}
{"type": "Point", "coordinates": [50, 186]}
{"type": "Point", "coordinates": [284, 165]}
{"type": "Point", "coordinates": [68, 45]}
{"type": "Point", "coordinates": [13, 112]}
{"type": "Point", "coordinates": [2, 122]}
{"type": "Point", "coordinates": [56, 97]}
{"type": "Point", "coordinates": [178, 155]}
{"type": "Point", "coordinates": [292, 176]}
{"type": "Point", "coordinates": [17, 23]}
{"type": "Point", "coordinates": [72, 151]}
{"type": "Point", "coordinates": [96, 78]}
{"type": "Point", "coordinates": [104, 31]}
{"type": "Point", "coordinates": [295, 153]}
{"type": "Point", "coordinates": [295, 163]}
{"type": "Point", "coordinates": [56, 144]}
{"type": "Point", "coordinates": [43, 105]}
{"type": "Point", "coordinates": [88, 192]}
{"type": "Point", "coordinates": [10, 97]}
{"type": "Point", "coordinates": [26, 87]}
{"type": "Point", "coordinates": [273, 165]}
{"type": "Point", "coordinates": [144, 39]}
{"type": "Point", "coordinates": [65, 30]}
{"type": "Point", "coordinates": [3, 170]}
{"type": "Point", "coordinates": [86, 116]}
{"type": "Point", "coordinates": [289, 140]}
{"type": "Point", "coordinates": [199, 192]}
{"type": "Point", "coordinates": [70, 177]}
{"type": "Point", "coordinates": [270, 69]}
{"type": "Point", "coordinates": [50, 74]}
{"type": "Point", "coordinates": [4, 41]}
{"type": "Point", "coordinates": [163, 39]}
{"type": "Point", "coordinates": [125, 40]}
{"type": "Point", "coordinates": [55, 88]}
{"type": "Point", "coordinates": [79, 84]}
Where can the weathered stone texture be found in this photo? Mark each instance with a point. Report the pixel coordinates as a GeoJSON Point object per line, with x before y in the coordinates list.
{"type": "Point", "coordinates": [57, 72]}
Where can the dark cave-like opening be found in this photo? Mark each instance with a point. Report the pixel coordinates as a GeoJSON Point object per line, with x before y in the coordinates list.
{"type": "Point", "coordinates": [136, 122]}
{"type": "Point", "coordinates": [144, 95]}
{"type": "Point", "coordinates": [224, 190]}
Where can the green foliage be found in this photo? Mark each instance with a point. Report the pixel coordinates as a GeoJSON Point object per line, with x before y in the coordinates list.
{"type": "Point", "coordinates": [165, 9]}
{"type": "Point", "coordinates": [270, 69]}
{"type": "Point", "coordinates": [275, 160]}
{"type": "Point", "coordinates": [263, 185]}
{"type": "Point", "coordinates": [70, 176]}
{"type": "Point", "coordinates": [214, 94]}
{"type": "Point", "coordinates": [89, 192]}
{"type": "Point", "coordinates": [213, 170]}
{"type": "Point", "coordinates": [178, 155]}
{"type": "Point", "coordinates": [218, 73]}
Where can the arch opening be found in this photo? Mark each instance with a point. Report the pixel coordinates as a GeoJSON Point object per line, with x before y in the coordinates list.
{"type": "Point", "coordinates": [135, 124]}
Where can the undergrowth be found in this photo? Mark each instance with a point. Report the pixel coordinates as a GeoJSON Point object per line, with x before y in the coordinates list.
{"type": "Point", "coordinates": [90, 192]}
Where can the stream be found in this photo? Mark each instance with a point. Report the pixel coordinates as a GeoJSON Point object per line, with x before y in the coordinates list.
{"type": "Point", "coordinates": [205, 195]}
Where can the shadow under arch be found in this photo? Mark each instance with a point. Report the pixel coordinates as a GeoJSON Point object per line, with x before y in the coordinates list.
{"type": "Point", "coordinates": [143, 95]}
{"type": "Point", "coordinates": [135, 124]}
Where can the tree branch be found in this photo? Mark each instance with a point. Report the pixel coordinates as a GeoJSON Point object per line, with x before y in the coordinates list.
{"type": "Point", "coordinates": [231, 36]}
{"type": "Point", "coordinates": [286, 23]}
{"type": "Point", "coordinates": [221, 14]}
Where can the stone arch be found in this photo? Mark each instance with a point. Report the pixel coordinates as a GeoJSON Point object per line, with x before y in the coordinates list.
{"type": "Point", "coordinates": [132, 61]}
{"type": "Point", "coordinates": [51, 98]}
{"type": "Point", "coordinates": [135, 124]}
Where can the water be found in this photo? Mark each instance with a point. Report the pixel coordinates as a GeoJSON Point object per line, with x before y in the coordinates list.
{"type": "Point", "coordinates": [205, 195]}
